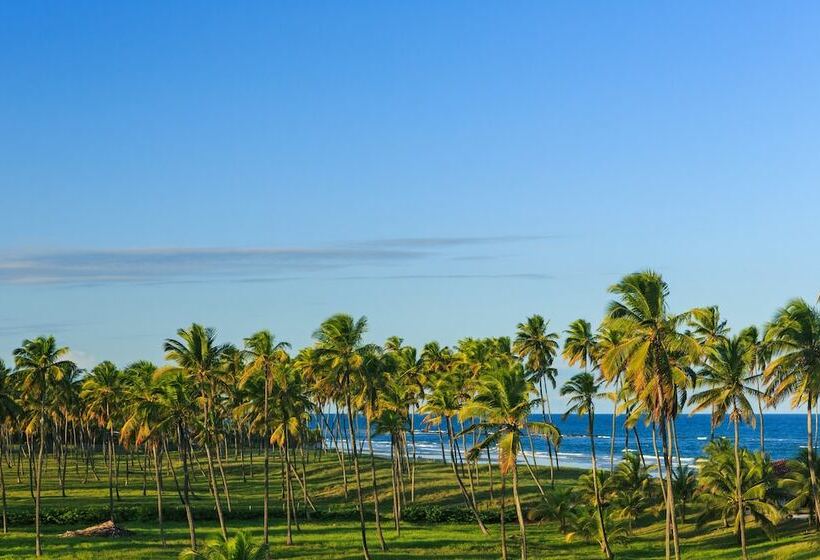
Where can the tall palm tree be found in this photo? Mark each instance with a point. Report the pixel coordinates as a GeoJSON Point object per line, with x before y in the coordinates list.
{"type": "Point", "coordinates": [727, 372]}
{"type": "Point", "coordinates": [503, 403]}
{"type": "Point", "coordinates": [292, 407]}
{"type": "Point", "coordinates": [794, 339]}
{"type": "Point", "coordinates": [147, 420]}
{"type": "Point", "coordinates": [538, 348]}
{"type": "Point", "coordinates": [198, 356]}
{"type": "Point", "coordinates": [265, 354]}
{"type": "Point", "coordinates": [102, 392]}
{"type": "Point", "coordinates": [582, 391]}
{"type": "Point", "coordinates": [39, 363]}
{"type": "Point", "coordinates": [655, 357]}
{"type": "Point", "coordinates": [371, 385]}
{"type": "Point", "coordinates": [708, 329]}
{"type": "Point", "coordinates": [173, 409]}
{"type": "Point", "coordinates": [339, 347]}
{"type": "Point", "coordinates": [760, 356]}
{"type": "Point", "coordinates": [9, 409]}
{"type": "Point", "coordinates": [608, 339]}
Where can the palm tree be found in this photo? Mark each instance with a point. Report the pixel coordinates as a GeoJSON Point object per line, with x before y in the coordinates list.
{"type": "Point", "coordinates": [582, 391]}
{"type": "Point", "coordinates": [607, 340]}
{"type": "Point", "coordinates": [339, 348]}
{"type": "Point", "coordinates": [538, 348]}
{"type": "Point", "coordinates": [39, 363]}
{"type": "Point", "coordinates": [102, 391]}
{"type": "Point", "coordinates": [654, 356]}
{"type": "Point", "coordinates": [759, 356]}
{"type": "Point", "coordinates": [633, 488]}
{"type": "Point", "coordinates": [265, 354]}
{"type": "Point", "coordinates": [797, 482]}
{"type": "Point", "coordinates": [503, 403]}
{"type": "Point", "coordinates": [728, 374]}
{"type": "Point", "coordinates": [292, 409]}
{"type": "Point", "coordinates": [759, 488]}
{"type": "Point", "coordinates": [198, 356]}
{"type": "Point", "coordinates": [444, 401]}
{"type": "Point", "coordinates": [794, 338]}
{"type": "Point", "coordinates": [371, 385]}
{"type": "Point", "coordinates": [708, 329]}
{"type": "Point", "coordinates": [240, 547]}
{"type": "Point", "coordinates": [171, 409]}
{"type": "Point", "coordinates": [8, 410]}
{"type": "Point", "coordinates": [684, 483]}
{"type": "Point", "coordinates": [558, 504]}
{"type": "Point", "coordinates": [147, 421]}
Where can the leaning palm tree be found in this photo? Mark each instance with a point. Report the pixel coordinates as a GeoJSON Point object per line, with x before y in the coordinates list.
{"type": "Point", "coordinates": [794, 338]}
{"type": "Point", "coordinates": [444, 401]}
{"type": "Point", "coordinates": [102, 392]}
{"type": "Point", "coordinates": [265, 355]}
{"type": "Point", "coordinates": [654, 356]}
{"type": "Point", "coordinates": [727, 373]}
{"type": "Point", "coordinates": [39, 363]}
{"type": "Point", "coordinates": [538, 348]}
{"type": "Point", "coordinates": [339, 348]}
{"type": "Point", "coordinates": [503, 403]}
{"type": "Point", "coordinates": [198, 356]}
{"type": "Point", "coordinates": [582, 391]}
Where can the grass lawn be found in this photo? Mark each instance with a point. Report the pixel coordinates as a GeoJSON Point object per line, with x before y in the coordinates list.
{"type": "Point", "coordinates": [332, 538]}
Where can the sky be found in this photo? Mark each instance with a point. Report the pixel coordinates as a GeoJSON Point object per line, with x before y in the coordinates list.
{"type": "Point", "coordinates": [444, 168]}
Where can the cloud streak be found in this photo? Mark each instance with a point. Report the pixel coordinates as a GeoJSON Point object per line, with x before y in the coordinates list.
{"type": "Point", "coordinates": [178, 264]}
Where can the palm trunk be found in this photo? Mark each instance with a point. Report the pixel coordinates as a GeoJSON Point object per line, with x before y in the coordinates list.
{"type": "Point", "coordinates": [601, 526]}
{"type": "Point", "coordinates": [542, 393]}
{"type": "Point", "coordinates": [375, 487]}
{"type": "Point", "coordinates": [501, 517]}
{"type": "Point", "coordinates": [519, 512]}
{"type": "Point", "coordinates": [470, 505]}
{"type": "Point", "coordinates": [352, 429]}
{"type": "Point", "coordinates": [266, 490]}
{"type": "Point", "coordinates": [810, 453]}
{"type": "Point", "coordinates": [287, 488]}
{"type": "Point", "coordinates": [184, 493]}
{"type": "Point", "coordinates": [670, 495]}
{"type": "Point", "coordinates": [760, 413]}
{"type": "Point", "coordinates": [3, 491]}
{"type": "Point", "coordinates": [741, 514]}
{"type": "Point", "coordinates": [413, 464]}
{"type": "Point", "coordinates": [110, 465]}
{"type": "Point", "coordinates": [158, 477]}
{"type": "Point", "coordinates": [612, 439]}
{"type": "Point", "coordinates": [38, 547]}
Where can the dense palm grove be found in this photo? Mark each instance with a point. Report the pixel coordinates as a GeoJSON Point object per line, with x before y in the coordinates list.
{"type": "Point", "coordinates": [209, 400]}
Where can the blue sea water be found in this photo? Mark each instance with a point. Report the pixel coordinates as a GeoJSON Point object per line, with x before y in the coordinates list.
{"type": "Point", "coordinates": [785, 436]}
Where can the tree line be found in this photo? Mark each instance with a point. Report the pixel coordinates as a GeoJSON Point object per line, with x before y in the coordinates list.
{"type": "Point", "coordinates": [482, 396]}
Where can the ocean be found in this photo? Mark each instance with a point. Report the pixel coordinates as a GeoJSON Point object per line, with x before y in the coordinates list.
{"type": "Point", "coordinates": [785, 436]}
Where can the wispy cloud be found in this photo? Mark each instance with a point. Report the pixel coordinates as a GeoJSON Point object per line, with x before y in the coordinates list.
{"type": "Point", "coordinates": [179, 264]}
{"type": "Point", "coordinates": [13, 327]}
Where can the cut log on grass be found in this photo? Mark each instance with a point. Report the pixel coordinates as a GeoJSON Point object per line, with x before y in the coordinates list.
{"type": "Point", "coordinates": [107, 529]}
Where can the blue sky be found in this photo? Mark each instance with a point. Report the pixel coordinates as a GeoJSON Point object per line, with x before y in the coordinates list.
{"type": "Point", "coordinates": [444, 168]}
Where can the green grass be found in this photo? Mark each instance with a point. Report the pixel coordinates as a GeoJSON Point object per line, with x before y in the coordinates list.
{"type": "Point", "coordinates": [334, 538]}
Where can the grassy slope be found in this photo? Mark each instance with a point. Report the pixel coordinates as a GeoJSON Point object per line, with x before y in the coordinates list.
{"type": "Point", "coordinates": [339, 539]}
